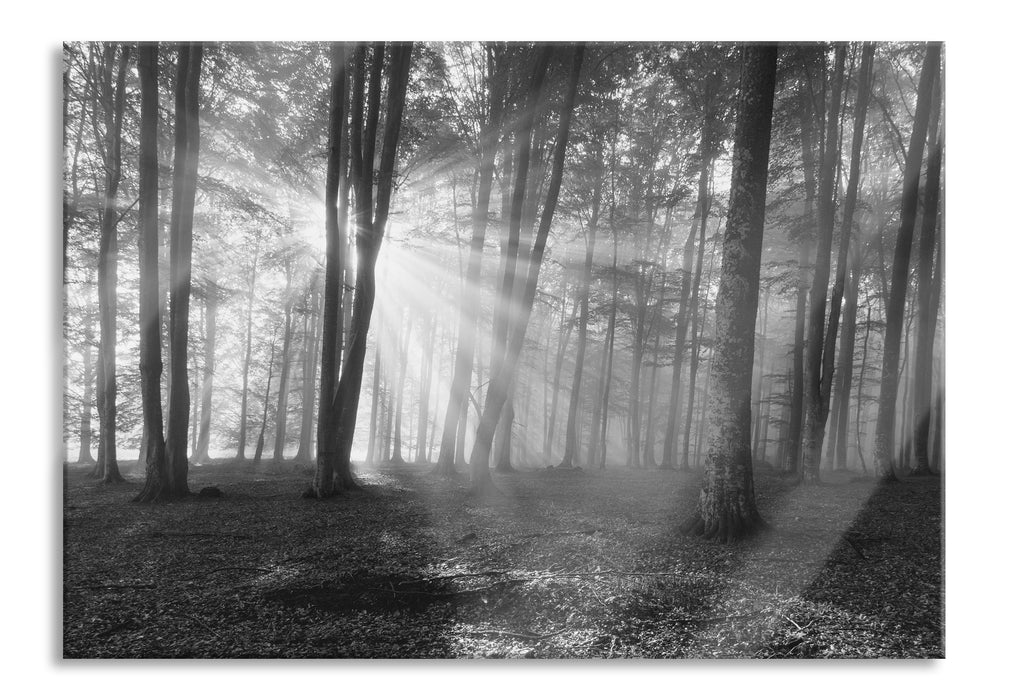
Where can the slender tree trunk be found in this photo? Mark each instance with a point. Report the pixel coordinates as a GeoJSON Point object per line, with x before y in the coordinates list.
{"type": "Point", "coordinates": [500, 383]}
{"type": "Point", "coordinates": [571, 439]}
{"type": "Point", "coordinates": [682, 315]}
{"type": "Point", "coordinates": [397, 452]}
{"type": "Point", "coordinates": [564, 335]}
{"type": "Point", "coordinates": [308, 371]}
{"type": "Point", "coordinates": [209, 344]}
{"type": "Point", "coordinates": [246, 364]}
{"type": "Point", "coordinates": [153, 454]}
{"type": "Point", "coordinates": [372, 219]}
{"type": "Point", "coordinates": [883, 447]}
{"type": "Point", "coordinates": [280, 439]}
{"type": "Point", "coordinates": [113, 101]}
{"type": "Point", "coordinates": [727, 507]}
{"type": "Point", "coordinates": [470, 307]}
{"type": "Point", "coordinates": [691, 319]}
{"type": "Point", "coordinates": [928, 286]}
{"type": "Point", "coordinates": [84, 453]}
{"type": "Point", "coordinates": [423, 405]}
{"type": "Point", "coordinates": [261, 440]}
{"type": "Point", "coordinates": [376, 390]}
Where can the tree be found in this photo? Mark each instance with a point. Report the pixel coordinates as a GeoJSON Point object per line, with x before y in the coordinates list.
{"type": "Point", "coordinates": [727, 507]}
{"type": "Point", "coordinates": [336, 434]}
{"type": "Point", "coordinates": [113, 100]}
{"type": "Point", "coordinates": [883, 446]}
{"type": "Point", "coordinates": [487, 146]}
{"type": "Point", "coordinates": [497, 391]}
{"type": "Point", "coordinates": [157, 480]}
{"type": "Point", "coordinates": [929, 289]}
{"type": "Point", "coordinates": [185, 168]}
{"type": "Point", "coordinates": [817, 395]}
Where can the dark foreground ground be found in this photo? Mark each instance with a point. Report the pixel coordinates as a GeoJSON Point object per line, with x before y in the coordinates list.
{"type": "Point", "coordinates": [566, 564]}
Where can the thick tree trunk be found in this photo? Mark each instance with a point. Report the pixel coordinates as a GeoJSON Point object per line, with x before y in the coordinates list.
{"type": "Point", "coordinates": [883, 446]}
{"type": "Point", "coordinates": [181, 253]}
{"type": "Point", "coordinates": [727, 507]}
{"type": "Point", "coordinates": [153, 452]}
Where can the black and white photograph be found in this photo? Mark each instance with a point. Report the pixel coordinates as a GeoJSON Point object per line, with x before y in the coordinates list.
{"type": "Point", "coordinates": [503, 349]}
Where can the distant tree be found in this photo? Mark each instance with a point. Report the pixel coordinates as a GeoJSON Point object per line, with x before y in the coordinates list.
{"type": "Point", "coordinates": [889, 378]}
{"type": "Point", "coordinates": [727, 508]}
{"type": "Point", "coordinates": [500, 383]}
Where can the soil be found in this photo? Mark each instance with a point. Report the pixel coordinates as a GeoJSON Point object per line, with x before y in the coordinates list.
{"type": "Point", "coordinates": [562, 564]}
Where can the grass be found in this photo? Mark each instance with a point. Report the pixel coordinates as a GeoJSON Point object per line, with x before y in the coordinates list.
{"type": "Point", "coordinates": [564, 564]}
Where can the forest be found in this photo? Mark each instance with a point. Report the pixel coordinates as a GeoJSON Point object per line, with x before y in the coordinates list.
{"type": "Point", "coordinates": [503, 349]}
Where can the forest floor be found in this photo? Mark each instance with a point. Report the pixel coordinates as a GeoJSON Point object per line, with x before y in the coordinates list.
{"type": "Point", "coordinates": [564, 564]}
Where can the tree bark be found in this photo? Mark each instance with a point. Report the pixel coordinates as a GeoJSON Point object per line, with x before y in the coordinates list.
{"type": "Point", "coordinates": [883, 446]}
{"type": "Point", "coordinates": [187, 140]}
{"type": "Point", "coordinates": [247, 363]}
{"type": "Point", "coordinates": [153, 455]}
{"type": "Point", "coordinates": [211, 293]}
{"type": "Point", "coordinates": [469, 311]}
{"type": "Point", "coordinates": [500, 383]}
{"type": "Point", "coordinates": [372, 219]}
{"type": "Point", "coordinates": [324, 484]}
{"type": "Point", "coordinates": [280, 439]}
{"type": "Point", "coordinates": [927, 287]}
{"type": "Point", "coordinates": [113, 97]}
{"type": "Point", "coordinates": [727, 507]}
{"type": "Point", "coordinates": [308, 367]}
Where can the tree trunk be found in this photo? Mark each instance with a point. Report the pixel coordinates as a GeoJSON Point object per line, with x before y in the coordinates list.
{"type": "Point", "coordinates": [187, 140]}
{"type": "Point", "coordinates": [372, 219]}
{"type": "Point", "coordinates": [261, 440]}
{"type": "Point", "coordinates": [500, 382]}
{"type": "Point", "coordinates": [727, 507]}
{"type": "Point", "coordinates": [280, 439]}
{"type": "Point", "coordinates": [84, 453]}
{"type": "Point", "coordinates": [113, 101]}
{"type": "Point", "coordinates": [427, 372]}
{"type": "Point", "coordinates": [376, 392]}
{"type": "Point", "coordinates": [153, 453]}
{"type": "Point", "coordinates": [244, 411]}
{"type": "Point", "coordinates": [883, 447]}
{"type": "Point", "coordinates": [469, 311]}
{"type": "Point", "coordinates": [308, 366]}
{"type": "Point", "coordinates": [928, 286]}
{"type": "Point", "coordinates": [211, 293]}
{"type": "Point", "coordinates": [691, 318]}
{"type": "Point", "coordinates": [325, 474]}
{"type": "Point", "coordinates": [397, 452]}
